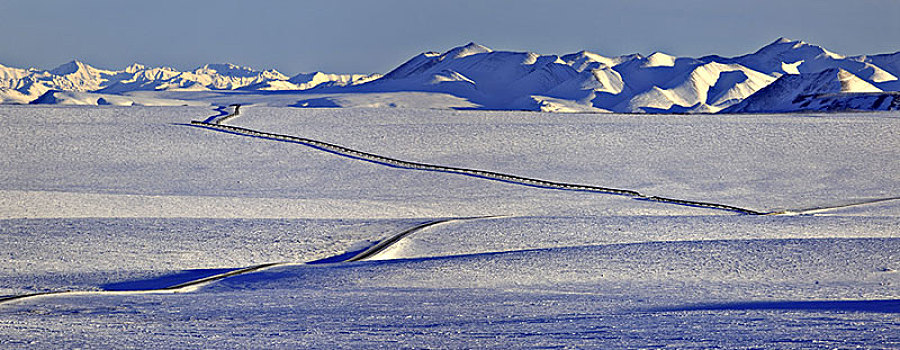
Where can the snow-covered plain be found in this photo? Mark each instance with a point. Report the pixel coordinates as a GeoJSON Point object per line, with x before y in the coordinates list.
{"type": "Point", "coordinates": [115, 198]}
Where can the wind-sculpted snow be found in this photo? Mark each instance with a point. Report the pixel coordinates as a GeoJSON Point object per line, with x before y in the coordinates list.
{"type": "Point", "coordinates": [730, 294]}
{"type": "Point", "coordinates": [88, 253]}
{"type": "Point", "coordinates": [190, 280]}
{"type": "Point", "coordinates": [485, 79]}
{"type": "Point", "coordinates": [174, 236]}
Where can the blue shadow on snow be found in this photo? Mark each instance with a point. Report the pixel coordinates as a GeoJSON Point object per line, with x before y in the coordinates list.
{"type": "Point", "coordinates": [888, 306]}
{"type": "Point", "coordinates": [161, 282]}
{"type": "Point", "coordinates": [338, 258]}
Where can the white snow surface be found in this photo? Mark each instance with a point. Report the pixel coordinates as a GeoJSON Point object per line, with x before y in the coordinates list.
{"type": "Point", "coordinates": [474, 76]}
{"type": "Point", "coordinates": [124, 198]}
{"type": "Point", "coordinates": [831, 89]}
{"type": "Point", "coordinates": [26, 86]}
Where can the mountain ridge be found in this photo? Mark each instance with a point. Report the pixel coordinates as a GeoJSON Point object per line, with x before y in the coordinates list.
{"type": "Point", "coordinates": [26, 86]}
{"type": "Point", "coordinates": [581, 81]}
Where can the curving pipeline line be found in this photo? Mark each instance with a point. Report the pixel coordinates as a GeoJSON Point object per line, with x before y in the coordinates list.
{"type": "Point", "coordinates": [237, 112]}
{"type": "Point", "coordinates": [186, 286]}
{"type": "Point", "coordinates": [222, 114]}
{"type": "Point", "coordinates": [490, 175]}
{"type": "Point", "coordinates": [387, 242]}
{"type": "Point", "coordinates": [690, 203]}
{"type": "Point", "coordinates": [814, 210]}
{"type": "Point", "coordinates": [178, 288]}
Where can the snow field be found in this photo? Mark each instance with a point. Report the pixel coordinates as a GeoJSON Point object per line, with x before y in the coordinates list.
{"type": "Point", "coordinates": [685, 295]}
{"type": "Point", "coordinates": [766, 163]}
{"type": "Point", "coordinates": [89, 253]}
{"type": "Point", "coordinates": [112, 198]}
{"type": "Point", "coordinates": [501, 234]}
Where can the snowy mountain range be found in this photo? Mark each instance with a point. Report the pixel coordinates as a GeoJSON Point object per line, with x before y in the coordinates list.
{"type": "Point", "coordinates": [784, 76]}
{"type": "Point", "coordinates": [25, 86]}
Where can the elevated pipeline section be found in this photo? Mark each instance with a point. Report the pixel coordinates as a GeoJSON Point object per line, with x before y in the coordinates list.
{"type": "Point", "coordinates": [217, 125]}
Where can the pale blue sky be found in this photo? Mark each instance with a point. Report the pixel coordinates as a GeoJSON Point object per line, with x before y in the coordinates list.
{"type": "Point", "coordinates": [376, 36]}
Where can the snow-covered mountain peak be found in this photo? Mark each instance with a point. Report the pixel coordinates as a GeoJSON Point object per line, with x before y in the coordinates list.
{"type": "Point", "coordinates": [659, 59]}
{"type": "Point", "coordinates": [586, 60]}
{"type": "Point", "coordinates": [71, 67]}
{"type": "Point", "coordinates": [525, 80]}
{"type": "Point", "coordinates": [134, 68]}
{"type": "Point", "coordinates": [7, 68]}
{"type": "Point", "coordinates": [830, 89]}
{"type": "Point", "coordinates": [10, 77]}
{"type": "Point", "coordinates": [586, 55]}
{"type": "Point", "coordinates": [852, 83]}
{"type": "Point", "coordinates": [786, 56]}
{"type": "Point", "coordinates": [782, 40]}
{"type": "Point", "coordinates": [238, 72]}
{"type": "Point", "coordinates": [781, 44]}
{"type": "Point", "coordinates": [305, 81]}
{"type": "Point", "coordinates": [465, 50]}
{"type": "Point", "coordinates": [786, 48]}
{"type": "Point", "coordinates": [226, 69]}
{"type": "Point", "coordinates": [829, 81]}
